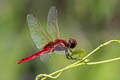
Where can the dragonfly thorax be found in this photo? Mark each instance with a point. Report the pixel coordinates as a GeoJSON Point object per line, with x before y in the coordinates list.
{"type": "Point", "coordinates": [60, 45]}
{"type": "Point", "coordinates": [56, 43]}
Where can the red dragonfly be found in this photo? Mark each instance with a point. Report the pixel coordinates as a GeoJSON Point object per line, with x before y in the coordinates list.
{"type": "Point", "coordinates": [48, 41]}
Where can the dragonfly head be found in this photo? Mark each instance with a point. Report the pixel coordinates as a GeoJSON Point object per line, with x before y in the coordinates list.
{"type": "Point", "coordinates": [72, 43]}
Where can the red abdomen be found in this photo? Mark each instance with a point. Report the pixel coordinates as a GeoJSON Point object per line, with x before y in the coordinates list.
{"type": "Point", "coordinates": [45, 50]}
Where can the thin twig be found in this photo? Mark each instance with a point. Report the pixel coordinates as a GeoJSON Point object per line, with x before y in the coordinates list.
{"type": "Point", "coordinates": [57, 73]}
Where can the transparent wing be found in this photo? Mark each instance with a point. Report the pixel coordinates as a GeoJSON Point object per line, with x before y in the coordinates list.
{"type": "Point", "coordinates": [39, 37]}
{"type": "Point", "coordinates": [45, 57]}
{"type": "Point", "coordinates": [60, 52]}
{"type": "Point", "coordinates": [52, 23]}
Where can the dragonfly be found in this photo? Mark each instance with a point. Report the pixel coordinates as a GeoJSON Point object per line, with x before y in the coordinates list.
{"type": "Point", "coordinates": [48, 40]}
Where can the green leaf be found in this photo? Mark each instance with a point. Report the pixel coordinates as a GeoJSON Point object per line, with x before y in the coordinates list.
{"type": "Point", "coordinates": [78, 52]}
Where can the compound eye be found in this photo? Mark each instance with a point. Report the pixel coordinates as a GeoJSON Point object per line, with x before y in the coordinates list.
{"type": "Point", "coordinates": [72, 43]}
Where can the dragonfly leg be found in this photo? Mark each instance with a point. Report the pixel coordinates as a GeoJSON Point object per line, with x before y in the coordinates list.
{"type": "Point", "coordinates": [68, 56]}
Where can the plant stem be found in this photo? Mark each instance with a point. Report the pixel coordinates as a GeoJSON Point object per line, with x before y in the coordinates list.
{"type": "Point", "coordinates": [80, 62]}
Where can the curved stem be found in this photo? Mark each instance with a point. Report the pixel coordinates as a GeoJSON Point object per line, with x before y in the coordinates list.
{"type": "Point", "coordinates": [78, 63]}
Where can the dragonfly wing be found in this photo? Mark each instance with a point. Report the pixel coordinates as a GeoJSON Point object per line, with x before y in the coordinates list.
{"type": "Point", "coordinates": [45, 57]}
{"type": "Point", "coordinates": [39, 37]}
{"type": "Point", "coordinates": [60, 52]}
{"type": "Point", "coordinates": [52, 23]}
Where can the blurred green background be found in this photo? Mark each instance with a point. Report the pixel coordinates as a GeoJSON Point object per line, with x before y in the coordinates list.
{"type": "Point", "coordinates": [90, 22]}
